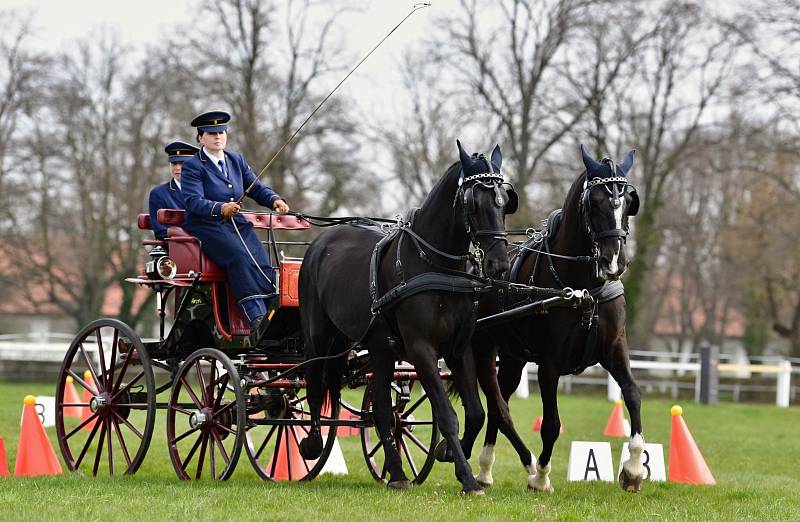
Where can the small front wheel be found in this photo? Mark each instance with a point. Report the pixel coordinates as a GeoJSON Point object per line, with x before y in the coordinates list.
{"type": "Point", "coordinates": [206, 417]}
{"type": "Point", "coordinates": [414, 430]}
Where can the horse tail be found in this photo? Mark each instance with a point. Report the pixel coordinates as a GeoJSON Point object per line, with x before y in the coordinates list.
{"type": "Point", "coordinates": [452, 391]}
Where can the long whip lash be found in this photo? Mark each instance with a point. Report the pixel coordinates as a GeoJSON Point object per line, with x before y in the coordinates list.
{"type": "Point", "coordinates": [414, 9]}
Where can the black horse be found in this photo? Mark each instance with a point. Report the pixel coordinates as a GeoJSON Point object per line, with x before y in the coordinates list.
{"type": "Point", "coordinates": [340, 303]}
{"type": "Point", "coordinates": [582, 247]}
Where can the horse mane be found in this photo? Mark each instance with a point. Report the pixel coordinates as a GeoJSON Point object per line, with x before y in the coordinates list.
{"type": "Point", "coordinates": [574, 191]}
{"type": "Point", "coordinates": [454, 169]}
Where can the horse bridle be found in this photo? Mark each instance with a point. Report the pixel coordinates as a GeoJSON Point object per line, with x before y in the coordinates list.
{"type": "Point", "coordinates": [491, 180]}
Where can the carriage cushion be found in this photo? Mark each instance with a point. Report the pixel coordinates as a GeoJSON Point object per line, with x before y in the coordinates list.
{"type": "Point", "coordinates": [290, 271]}
{"type": "Point", "coordinates": [184, 249]}
{"type": "Point", "coordinates": [143, 222]}
{"type": "Point", "coordinates": [263, 220]}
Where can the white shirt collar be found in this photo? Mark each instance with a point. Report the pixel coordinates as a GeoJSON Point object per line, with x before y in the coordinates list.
{"type": "Point", "coordinates": [177, 183]}
{"type": "Point", "coordinates": [213, 156]}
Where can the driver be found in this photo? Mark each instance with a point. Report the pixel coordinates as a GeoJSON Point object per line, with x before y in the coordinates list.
{"type": "Point", "coordinates": [211, 183]}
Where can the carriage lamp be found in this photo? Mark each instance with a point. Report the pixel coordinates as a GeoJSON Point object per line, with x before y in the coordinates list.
{"type": "Point", "coordinates": [160, 266]}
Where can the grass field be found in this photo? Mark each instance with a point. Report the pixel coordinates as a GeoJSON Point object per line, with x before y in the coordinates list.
{"type": "Point", "coordinates": [753, 451]}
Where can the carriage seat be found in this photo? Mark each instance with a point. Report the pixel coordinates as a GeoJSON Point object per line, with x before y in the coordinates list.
{"type": "Point", "coordinates": [261, 220]}
{"type": "Point", "coordinates": [143, 222]}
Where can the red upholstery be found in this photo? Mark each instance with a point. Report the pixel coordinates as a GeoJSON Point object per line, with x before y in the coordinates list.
{"type": "Point", "coordinates": [237, 322]}
{"type": "Point", "coordinates": [262, 220]}
{"type": "Point", "coordinates": [143, 222]}
{"type": "Point", "coordinates": [185, 251]}
{"type": "Point", "coordinates": [290, 271]}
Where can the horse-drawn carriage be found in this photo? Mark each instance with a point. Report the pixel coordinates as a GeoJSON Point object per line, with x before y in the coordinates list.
{"type": "Point", "coordinates": [370, 296]}
{"type": "Point", "coordinates": [220, 394]}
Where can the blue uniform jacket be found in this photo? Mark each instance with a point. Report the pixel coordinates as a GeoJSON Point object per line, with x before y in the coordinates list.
{"type": "Point", "coordinates": [205, 188]}
{"type": "Point", "coordinates": [166, 195]}
{"type": "Point", "coordinates": [232, 244]}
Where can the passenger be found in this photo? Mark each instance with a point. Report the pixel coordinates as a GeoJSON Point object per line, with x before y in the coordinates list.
{"type": "Point", "coordinates": [168, 195]}
{"type": "Point", "coordinates": [212, 181]}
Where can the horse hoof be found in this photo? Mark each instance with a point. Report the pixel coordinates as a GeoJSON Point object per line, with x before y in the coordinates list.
{"type": "Point", "coordinates": [311, 447]}
{"type": "Point", "coordinates": [483, 484]}
{"type": "Point", "coordinates": [442, 452]}
{"type": "Point", "coordinates": [545, 489]}
{"type": "Point", "coordinates": [630, 483]}
{"type": "Point", "coordinates": [399, 485]}
{"type": "Point", "coordinates": [473, 492]}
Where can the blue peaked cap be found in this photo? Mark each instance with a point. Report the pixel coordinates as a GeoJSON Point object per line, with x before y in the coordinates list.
{"type": "Point", "coordinates": [213, 121]}
{"type": "Point", "coordinates": [178, 151]}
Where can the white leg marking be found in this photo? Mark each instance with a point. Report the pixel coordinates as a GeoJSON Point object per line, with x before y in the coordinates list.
{"type": "Point", "coordinates": [486, 461]}
{"type": "Point", "coordinates": [541, 481]}
{"type": "Point", "coordinates": [531, 469]}
{"type": "Point", "coordinates": [634, 465]}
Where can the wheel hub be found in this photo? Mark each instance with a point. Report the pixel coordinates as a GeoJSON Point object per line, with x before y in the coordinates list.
{"type": "Point", "coordinates": [198, 419]}
{"type": "Point", "coordinates": [98, 403]}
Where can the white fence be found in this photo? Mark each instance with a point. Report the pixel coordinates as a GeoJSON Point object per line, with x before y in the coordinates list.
{"type": "Point", "coordinates": [664, 366]}
{"type": "Point", "coordinates": [667, 366]}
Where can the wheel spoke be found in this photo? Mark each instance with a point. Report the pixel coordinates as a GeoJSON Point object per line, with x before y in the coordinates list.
{"type": "Point", "coordinates": [128, 424]}
{"type": "Point", "coordinates": [416, 441]}
{"type": "Point", "coordinates": [202, 457]}
{"type": "Point", "coordinates": [196, 445]}
{"type": "Point", "coordinates": [84, 384]}
{"type": "Point", "coordinates": [100, 350]}
{"type": "Point", "coordinates": [99, 452]}
{"type": "Point", "coordinates": [110, 379]}
{"type": "Point", "coordinates": [418, 423]}
{"type": "Point", "coordinates": [189, 389]}
{"type": "Point", "coordinates": [297, 441]}
{"type": "Point", "coordinates": [202, 381]}
{"type": "Point", "coordinates": [110, 448]}
{"type": "Point", "coordinates": [88, 442]}
{"type": "Point", "coordinates": [221, 447]}
{"type": "Point", "coordinates": [212, 458]}
{"type": "Point", "coordinates": [91, 368]}
{"type": "Point", "coordinates": [184, 435]}
{"type": "Point", "coordinates": [122, 372]}
{"type": "Point", "coordinates": [80, 426]}
{"type": "Point", "coordinates": [414, 406]}
{"type": "Point", "coordinates": [277, 450]}
{"type": "Point", "coordinates": [122, 443]}
{"type": "Point", "coordinates": [375, 449]}
{"type": "Point", "coordinates": [127, 386]}
{"type": "Point", "coordinates": [266, 440]}
{"type": "Point", "coordinates": [409, 457]}
{"type": "Point", "coordinates": [225, 408]}
{"type": "Point", "coordinates": [222, 387]}
{"type": "Point", "coordinates": [288, 453]}
{"type": "Point", "coordinates": [226, 429]}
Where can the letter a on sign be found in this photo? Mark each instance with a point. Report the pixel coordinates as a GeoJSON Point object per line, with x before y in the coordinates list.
{"type": "Point", "coordinates": [590, 461]}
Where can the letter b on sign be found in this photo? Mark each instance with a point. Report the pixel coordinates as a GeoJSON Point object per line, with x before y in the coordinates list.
{"type": "Point", "coordinates": [590, 461]}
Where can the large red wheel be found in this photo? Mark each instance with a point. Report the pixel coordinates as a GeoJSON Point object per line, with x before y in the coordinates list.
{"type": "Point", "coordinates": [274, 434]}
{"type": "Point", "coordinates": [206, 417]}
{"type": "Point", "coordinates": [105, 424]}
{"type": "Point", "coordinates": [414, 430]}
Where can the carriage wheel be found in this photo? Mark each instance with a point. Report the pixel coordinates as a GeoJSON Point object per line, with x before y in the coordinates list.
{"type": "Point", "coordinates": [274, 448]}
{"type": "Point", "coordinates": [105, 400]}
{"type": "Point", "coordinates": [206, 417]}
{"type": "Point", "coordinates": [413, 427]}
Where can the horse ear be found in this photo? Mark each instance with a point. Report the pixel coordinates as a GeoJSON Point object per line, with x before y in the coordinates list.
{"type": "Point", "coordinates": [463, 155]}
{"type": "Point", "coordinates": [497, 158]}
{"type": "Point", "coordinates": [591, 164]}
{"type": "Point", "coordinates": [627, 163]}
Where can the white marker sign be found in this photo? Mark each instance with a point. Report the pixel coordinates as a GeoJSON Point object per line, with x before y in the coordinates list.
{"type": "Point", "coordinates": [590, 461]}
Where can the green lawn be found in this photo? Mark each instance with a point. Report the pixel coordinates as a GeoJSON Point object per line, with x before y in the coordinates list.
{"type": "Point", "coordinates": [753, 451]}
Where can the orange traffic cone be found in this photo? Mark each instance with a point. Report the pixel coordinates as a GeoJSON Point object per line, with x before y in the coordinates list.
{"type": "Point", "coordinates": [35, 455]}
{"type": "Point", "coordinates": [615, 427]}
{"type": "Point", "coordinates": [537, 425]}
{"type": "Point", "coordinates": [686, 464]}
{"type": "Point", "coordinates": [86, 412]}
{"type": "Point", "coordinates": [290, 464]}
{"type": "Point", "coordinates": [71, 397]}
{"type": "Point", "coordinates": [3, 459]}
